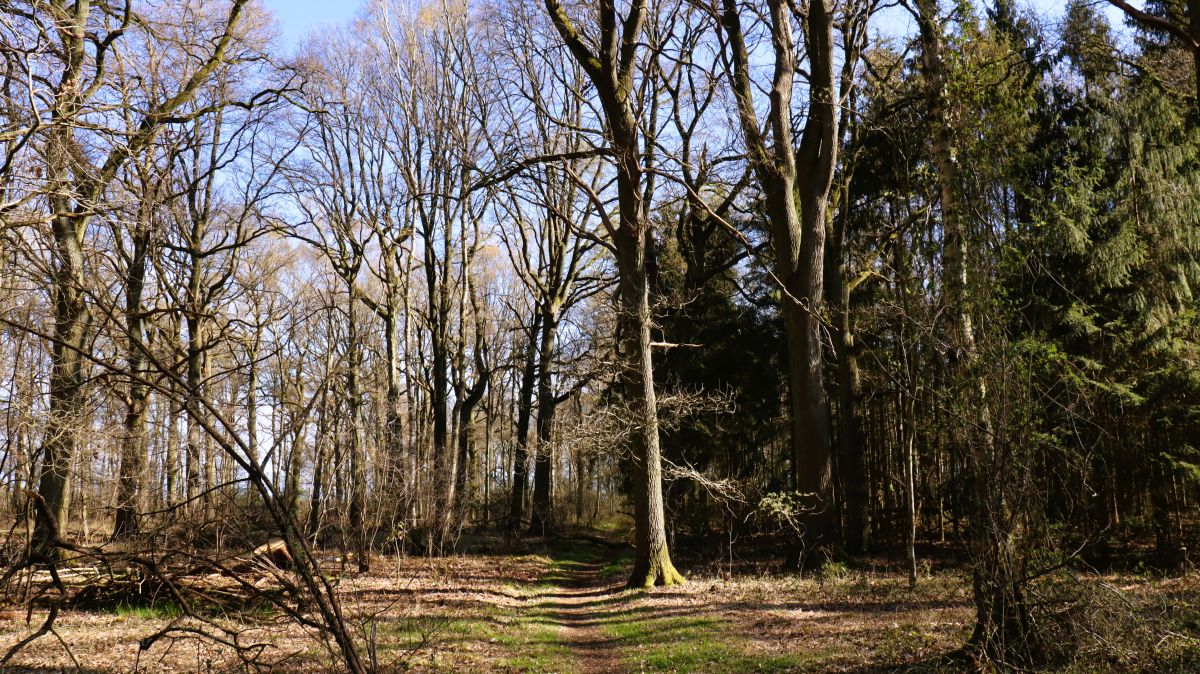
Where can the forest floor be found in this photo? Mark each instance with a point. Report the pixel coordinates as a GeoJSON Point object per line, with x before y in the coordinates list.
{"type": "Point", "coordinates": [562, 607]}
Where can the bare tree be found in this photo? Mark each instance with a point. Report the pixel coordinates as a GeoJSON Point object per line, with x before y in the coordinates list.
{"type": "Point", "coordinates": [610, 64]}
{"type": "Point", "coordinates": [550, 241]}
{"type": "Point", "coordinates": [796, 181]}
{"type": "Point", "coordinates": [74, 185]}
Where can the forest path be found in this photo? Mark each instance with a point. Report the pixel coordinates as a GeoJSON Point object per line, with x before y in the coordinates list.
{"type": "Point", "coordinates": [581, 593]}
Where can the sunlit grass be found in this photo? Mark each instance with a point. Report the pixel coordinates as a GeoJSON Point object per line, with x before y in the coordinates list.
{"type": "Point", "coordinates": [692, 644]}
{"type": "Point", "coordinates": [159, 610]}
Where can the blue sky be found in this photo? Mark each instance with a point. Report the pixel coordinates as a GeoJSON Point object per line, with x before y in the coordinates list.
{"type": "Point", "coordinates": [297, 17]}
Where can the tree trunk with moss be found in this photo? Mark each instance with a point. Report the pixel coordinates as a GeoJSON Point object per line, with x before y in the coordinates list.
{"type": "Point", "coordinates": [611, 71]}
{"type": "Point", "coordinates": [652, 562]}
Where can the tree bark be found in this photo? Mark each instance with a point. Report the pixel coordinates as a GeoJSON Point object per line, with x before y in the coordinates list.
{"type": "Point", "coordinates": [516, 511]}
{"type": "Point", "coordinates": [787, 176]}
{"type": "Point", "coordinates": [133, 448]}
{"type": "Point", "coordinates": [542, 512]}
{"type": "Point", "coordinates": [611, 71]}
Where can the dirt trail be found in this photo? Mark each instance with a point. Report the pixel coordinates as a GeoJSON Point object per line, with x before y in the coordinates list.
{"type": "Point", "coordinates": [576, 604]}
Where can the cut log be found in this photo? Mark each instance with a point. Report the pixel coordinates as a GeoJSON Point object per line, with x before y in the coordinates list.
{"type": "Point", "coordinates": [274, 551]}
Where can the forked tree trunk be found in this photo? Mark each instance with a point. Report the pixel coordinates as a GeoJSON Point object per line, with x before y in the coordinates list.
{"type": "Point", "coordinates": [466, 441]}
{"type": "Point", "coordinates": [796, 185]}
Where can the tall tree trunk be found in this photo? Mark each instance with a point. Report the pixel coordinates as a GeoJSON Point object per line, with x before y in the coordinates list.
{"type": "Point", "coordinates": [851, 448]}
{"type": "Point", "coordinates": [210, 456]}
{"type": "Point", "coordinates": [295, 456]}
{"type": "Point", "coordinates": [817, 157]}
{"type": "Point", "coordinates": [443, 459]}
{"type": "Point", "coordinates": [787, 176]}
{"type": "Point", "coordinates": [317, 498]}
{"type": "Point", "coordinates": [611, 71]}
{"type": "Point", "coordinates": [909, 436]}
{"type": "Point", "coordinates": [295, 467]}
{"type": "Point", "coordinates": [542, 512]}
{"type": "Point", "coordinates": [358, 445]}
{"type": "Point", "coordinates": [580, 485]}
{"type": "Point", "coordinates": [652, 561]}
{"type": "Point", "coordinates": [1166, 543]}
{"type": "Point", "coordinates": [488, 425]}
{"type": "Point", "coordinates": [133, 449]}
{"type": "Point", "coordinates": [395, 471]}
{"type": "Point", "coordinates": [252, 398]}
{"type": "Point", "coordinates": [516, 511]}
{"type": "Point", "coordinates": [171, 414]}
{"type": "Point", "coordinates": [66, 384]}
{"type": "Point", "coordinates": [195, 389]}
{"type": "Point", "coordinates": [466, 442]}
{"type": "Point", "coordinates": [66, 295]}
{"type": "Point", "coordinates": [851, 464]}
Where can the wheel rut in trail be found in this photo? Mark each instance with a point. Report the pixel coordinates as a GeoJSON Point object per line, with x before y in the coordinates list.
{"type": "Point", "coordinates": [578, 603]}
